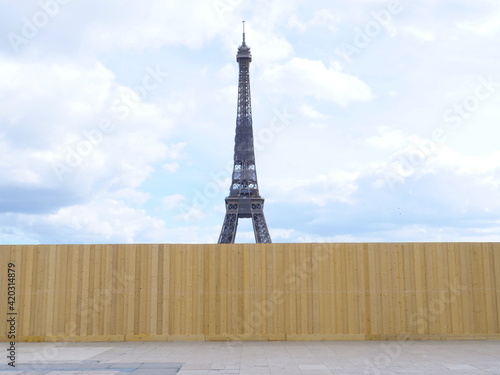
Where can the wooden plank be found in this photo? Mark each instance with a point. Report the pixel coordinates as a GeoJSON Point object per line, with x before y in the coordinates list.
{"type": "Point", "coordinates": [130, 303]}
{"type": "Point", "coordinates": [453, 281]}
{"type": "Point", "coordinates": [310, 293]}
{"type": "Point", "coordinates": [115, 315]}
{"type": "Point", "coordinates": [444, 270]}
{"type": "Point", "coordinates": [206, 289]}
{"type": "Point", "coordinates": [436, 305]}
{"type": "Point", "coordinates": [401, 291]}
{"type": "Point", "coordinates": [331, 287]}
{"type": "Point", "coordinates": [153, 286]}
{"type": "Point", "coordinates": [104, 292]}
{"type": "Point", "coordinates": [59, 273]}
{"type": "Point", "coordinates": [200, 253]}
{"type": "Point", "coordinates": [339, 290]}
{"type": "Point", "coordinates": [413, 306]}
{"type": "Point", "coordinates": [372, 291]}
{"type": "Point", "coordinates": [491, 325]}
{"type": "Point", "coordinates": [84, 311]}
{"type": "Point", "coordinates": [212, 303]}
{"type": "Point", "coordinates": [177, 289]}
{"type": "Point", "coordinates": [465, 295]}
{"type": "Point", "coordinates": [65, 320]}
{"type": "Point", "coordinates": [433, 311]}
{"type": "Point", "coordinates": [190, 291]}
{"type": "Point", "coordinates": [349, 289]}
{"type": "Point", "coordinates": [256, 319]}
{"type": "Point", "coordinates": [325, 289]}
{"type": "Point", "coordinates": [417, 321]}
{"type": "Point", "coordinates": [143, 291]}
{"type": "Point", "coordinates": [108, 292]}
{"type": "Point", "coordinates": [166, 291]}
{"type": "Point", "coordinates": [291, 288]}
{"type": "Point", "coordinates": [183, 291]}
{"type": "Point", "coordinates": [314, 314]}
{"type": "Point", "coordinates": [92, 306]}
{"type": "Point", "coordinates": [495, 262]}
{"type": "Point", "coordinates": [159, 297]}
{"type": "Point", "coordinates": [223, 295]}
{"type": "Point", "coordinates": [457, 287]}
{"type": "Point", "coordinates": [443, 306]}
{"type": "Point", "coordinates": [261, 302]}
{"type": "Point", "coordinates": [75, 330]}
{"type": "Point", "coordinates": [28, 290]}
{"type": "Point", "coordinates": [216, 289]}
{"type": "Point", "coordinates": [359, 295]}
{"type": "Point", "coordinates": [280, 288]}
{"type": "Point", "coordinates": [481, 315]}
{"type": "Point", "coordinates": [303, 287]}
{"type": "Point", "coordinates": [266, 306]}
{"type": "Point", "coordinates": [232, 287]}
{"type": "Point", "coordinates": [395, 294]}
{"type": "Point", "coordinates": [99, 292]}
{"type": "Point", "coordinates": [48, 311]}
{"type": "Point", "coordinates": [386, 289]}
{"type": "Point", "coordinates": [406, 275]}
{"type": "Point", "coordinates": [248, 288]}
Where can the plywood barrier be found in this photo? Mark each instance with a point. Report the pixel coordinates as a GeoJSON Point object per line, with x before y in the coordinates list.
{"type": "Point", "coordinates": [355, 291]}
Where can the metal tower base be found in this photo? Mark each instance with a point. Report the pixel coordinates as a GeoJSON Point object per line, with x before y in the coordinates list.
{"type": "Point", "coordinates": [243, 207]}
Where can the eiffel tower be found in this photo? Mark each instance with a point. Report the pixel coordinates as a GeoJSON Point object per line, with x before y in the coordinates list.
{"type": "Point", "coordinates": [244, 200]}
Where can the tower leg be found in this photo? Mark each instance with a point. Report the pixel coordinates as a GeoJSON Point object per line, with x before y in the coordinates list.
{"type": "Point", "coordinates": [260, 228]}
{"type": "Point", "coordinates": [228, 232]}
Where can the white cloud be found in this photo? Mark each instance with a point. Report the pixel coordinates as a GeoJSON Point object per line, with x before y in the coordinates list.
{"type": "Point", "coordinates": [311, 113]}
{"type": "Point", "coordinates": [189, 214]}
{"type": "Point", "coordinates": [105, 218]}
{"type": "Point", "coordinates": [304, 77]}
{"type": "Point", "coordinates": [320, 17]}
{"type": "Point", "coordinates": [485, 169]}
{"type": "Point", "coordinates": [155, 23]}
{"type": "Point", "coordinates": [282, 235]}
{"type": "Point", "coordinates": [485, 27]}
{"type": "Point", "coordinates": [172, 201]}
{"type": "Point", "coordinates": [171, 167]}
{"type": "Point", "coordinates": [61, 169]}
{"type": "Point", "coordinates": [336, 186]}
{"type": "Point", "coordinates": [421, 34]}
{"type": "Point", "coordinates": [391, 139]}
{"type": "Point", "coordinates": [174, 150]}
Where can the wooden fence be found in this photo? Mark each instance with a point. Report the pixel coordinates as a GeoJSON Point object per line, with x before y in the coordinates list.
{"type": "Point", "coordinates": [355, 291]}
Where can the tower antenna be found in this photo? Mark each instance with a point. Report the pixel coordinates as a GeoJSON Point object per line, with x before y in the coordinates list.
{"type": "Point", "coordinates": [243, 32]}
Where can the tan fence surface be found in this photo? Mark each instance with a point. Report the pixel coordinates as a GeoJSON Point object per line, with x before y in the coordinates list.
{"type": "Point", "coordinates": [365, 291]}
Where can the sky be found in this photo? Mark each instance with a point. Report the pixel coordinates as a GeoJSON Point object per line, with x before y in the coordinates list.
{"type": "Point", "coordinates": [374, 121]}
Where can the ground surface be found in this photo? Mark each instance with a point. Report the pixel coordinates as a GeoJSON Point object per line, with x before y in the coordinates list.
{"type": "Point", "coordinates": [245, 358]}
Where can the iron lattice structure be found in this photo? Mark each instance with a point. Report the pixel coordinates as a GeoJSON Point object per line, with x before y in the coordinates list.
{"type": "Point", "coordinates": [244, 200]}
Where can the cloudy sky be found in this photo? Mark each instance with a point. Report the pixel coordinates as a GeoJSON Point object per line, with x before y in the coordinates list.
{"type": "Point", "coordinates": [373, 120]}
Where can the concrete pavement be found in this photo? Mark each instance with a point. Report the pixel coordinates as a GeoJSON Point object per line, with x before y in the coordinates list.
{"type": "Point", "coordinates": [255, 357]}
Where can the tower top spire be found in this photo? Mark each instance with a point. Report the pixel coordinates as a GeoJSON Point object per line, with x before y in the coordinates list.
{"type": "Point", "coordinates": [244, 54]}
{"type": "Point", "coordinates": [243, 32]}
